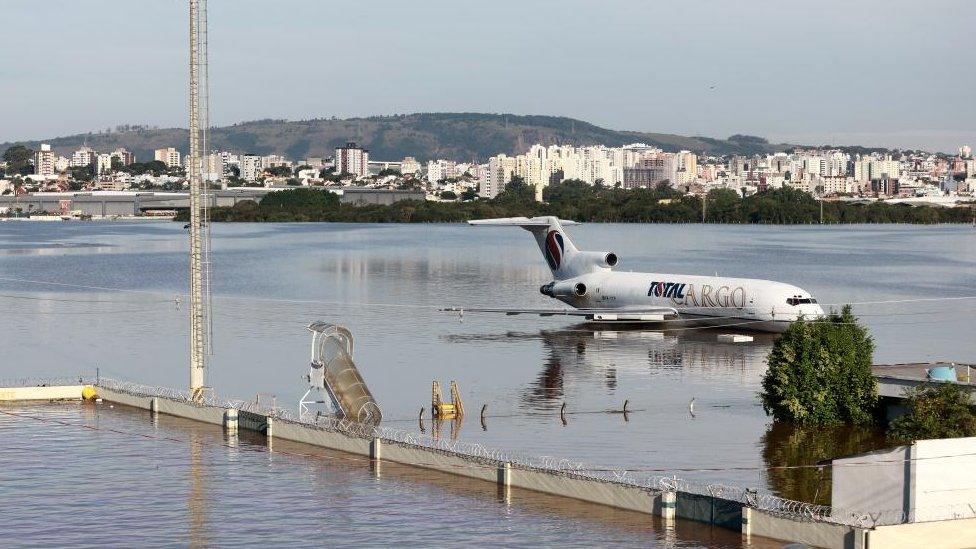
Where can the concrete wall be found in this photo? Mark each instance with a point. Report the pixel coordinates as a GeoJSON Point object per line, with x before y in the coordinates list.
{"type": "Point", "coordinates": [875, 480]}
{"type": "Point", "coordinates": [817, 534]}
{"type": "Point", "coordinates": [949, 534]}
{"type": "Point", "coordinates": [205, 414]}
{"type": "Point", "coordinates": [954, 534]}
{"type": "Point", "coordinates": [440, 461]}
{"type": "Point", "coordinates": [320, 437]}
{"type": "Point", "coordinates": [604, 493]}
{"type": "Point", "coordinates": [62, 392]}
{"type": "Point", "coordinates": [945, 477]}
{"type": "Point", "coordinates": [930, 480]}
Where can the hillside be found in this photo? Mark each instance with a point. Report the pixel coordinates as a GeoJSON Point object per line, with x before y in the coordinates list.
{"type": "Point", "coordinates": [457, 136]}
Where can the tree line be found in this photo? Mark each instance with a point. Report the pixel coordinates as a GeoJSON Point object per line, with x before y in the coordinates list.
{"type": "Point", "coordinates": [580, 201]}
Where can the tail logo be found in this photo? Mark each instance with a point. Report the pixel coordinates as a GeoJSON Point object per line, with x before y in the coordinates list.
{"type": "Point", "coordinates": [554, 249]}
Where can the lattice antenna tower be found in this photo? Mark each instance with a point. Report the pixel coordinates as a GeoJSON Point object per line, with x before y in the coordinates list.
{"type": "Point", "coordinates": [200, 299]}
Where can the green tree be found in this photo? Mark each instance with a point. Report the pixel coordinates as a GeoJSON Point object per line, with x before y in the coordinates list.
{"type": "Point", "coordinates": [309, 198]}
{"type": "Point", "coordinates": [517, 191]}
{"type": "Point", "coordinates": [82, 173]}
{"type": "Point", "coordinates": [448, 195]}
{"type": "Point", "coordinates": [723, 206]}
{"type": "Point", "coordinates": [820, 373]}
{"type": "Point", "coordinates": [18, 159]}
{"type": "Point", "coordinates": [278, 171]}
{"type": "Point", "coordinates": [934, 411]}
{"type": "Point", "coordinates": [469, 194]}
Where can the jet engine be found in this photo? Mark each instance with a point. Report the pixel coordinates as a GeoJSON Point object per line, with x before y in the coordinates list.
{"type": "Point", "coordinates": [588, 262]}
{"type": "Point", "coordinates": [564, 288]}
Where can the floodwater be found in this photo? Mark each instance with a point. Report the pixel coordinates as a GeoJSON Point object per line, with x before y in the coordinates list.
{"type": "Point", "coordinates": [112, 305]}
{"type": "Point", "coordinates": [84, 475]}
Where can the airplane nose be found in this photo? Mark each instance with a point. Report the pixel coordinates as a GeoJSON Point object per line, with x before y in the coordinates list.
{"type": "Point", "coordinates": [811, 311]}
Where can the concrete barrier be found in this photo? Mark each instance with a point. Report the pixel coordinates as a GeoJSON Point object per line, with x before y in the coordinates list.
{"type": "Point", "coordinates": [719, 511]}
{"type": "Point", "coordinates": [945, 534]}
{"type": "Point", "coordinates": [817, 534]}
{"type": "Point", "coordinates": [59, 392]}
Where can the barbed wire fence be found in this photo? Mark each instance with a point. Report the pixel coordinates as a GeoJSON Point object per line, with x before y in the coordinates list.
{"type": "Point", "coordinates": [488, 456]}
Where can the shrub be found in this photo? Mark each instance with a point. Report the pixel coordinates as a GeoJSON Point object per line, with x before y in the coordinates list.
{"type": "Point", "coordinates": [820, 373]}
{"type": "Point", "coordinates": [934, 411]}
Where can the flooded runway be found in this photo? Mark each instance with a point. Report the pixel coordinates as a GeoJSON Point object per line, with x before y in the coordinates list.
{"type": "Point", "coordinates": [695, 413]}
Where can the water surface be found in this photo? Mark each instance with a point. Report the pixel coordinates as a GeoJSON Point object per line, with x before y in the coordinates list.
{"type": "Point", "coordinates": [385, 283]}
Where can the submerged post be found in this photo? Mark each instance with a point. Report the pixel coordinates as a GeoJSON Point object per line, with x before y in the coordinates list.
{"type": "Point", "coordinates": [505, 474]}
{"type": "Point", "coordinates": [669, 499]}
{"type": "Point", "coordinates": [230, 420]}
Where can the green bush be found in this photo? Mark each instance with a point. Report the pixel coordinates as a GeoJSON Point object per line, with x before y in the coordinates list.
{"type": "Point", "coordinates": [934, 411]}
{"type": "Point", "coordinates": [820, 373]}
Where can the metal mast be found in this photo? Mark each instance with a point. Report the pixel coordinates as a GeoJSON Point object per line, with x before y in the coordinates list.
{"type": "Point", "coordinates": [198, 305]}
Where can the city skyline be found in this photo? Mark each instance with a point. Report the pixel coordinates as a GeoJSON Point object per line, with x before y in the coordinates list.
{"type": "Point", "coordinates": [875, 74]}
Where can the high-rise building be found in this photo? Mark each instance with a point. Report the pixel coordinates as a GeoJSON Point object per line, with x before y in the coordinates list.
{"type": "Point", "coordinates": [352, 160]}
{"type": "Point", "coordinates": [440, 169]}
{"type": "Point", "coordinates": [44, 161]}
{"type": "Point", "coordinates": [500, 170]}
{"type": "Point", "coordinates": [124, 156]}
{"type": "Point", "coordinates": [168, 156]}
{"type": "Point", "coordinates": [966, 151]}
{"type": "Point", "coordinates": [213, 166]}
{"type": "Point", "coordinates": [84, 156]}
{"type": "Point", "coordinates": [648, 172]}
{"type": "Point", "coordinates": [409, 165]}
{"type": "Point", "coordinates": [251, 166]}
{"type": "Point", "coordinates": [103, 164]}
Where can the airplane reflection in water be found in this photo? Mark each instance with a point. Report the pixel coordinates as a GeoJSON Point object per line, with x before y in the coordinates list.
{"type": "Point", "coordinates": [585, 353]}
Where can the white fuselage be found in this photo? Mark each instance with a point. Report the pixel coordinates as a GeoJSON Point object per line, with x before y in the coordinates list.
{"type": "Point", "coordinates": [708, 300]}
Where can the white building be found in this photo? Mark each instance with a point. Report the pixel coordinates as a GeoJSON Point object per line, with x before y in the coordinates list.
{"type": "Point", "coordinates": [870, 168]}
{"type": "Point", "coordinates": [84, 156]}
{"type": "Point", "coordinates": [103, 164]}
{"type": "Point", "coordinates": [44, 161]}
{"type": "Point", "coordinates": [124, 156]}
{"type": "Point", "coordinates": [409, 165]}
{"type": "Point", "coordinates": [251, 166]}
{"type": "Point", "coordinates": [169, 156]}
{"type": "Point", "coordinates": [213, 167]}
{"type": "Point", "coordinates": [440, 169]}
{"type": "Point", "coordinates": [352, 160]}
{"type": "Point", "coordinates": [274, 160]}
{"type": "Point", "coordinates": [500, 170]}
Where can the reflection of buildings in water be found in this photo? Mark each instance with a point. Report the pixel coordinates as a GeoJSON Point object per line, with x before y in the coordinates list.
{"type": "Point", "coordinates": [418, 265]}
{"type": "Point", "coordinates": [601, 355]}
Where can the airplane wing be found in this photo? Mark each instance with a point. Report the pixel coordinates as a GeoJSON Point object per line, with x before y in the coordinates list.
{"type": "Point", "coordinates": [650, 314]}
{"type": "Point", "coordinates": [519, 222]}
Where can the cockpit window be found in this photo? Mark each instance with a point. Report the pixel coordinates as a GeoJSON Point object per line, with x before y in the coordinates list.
{"type": "Point", "coordinates": [800, 300]}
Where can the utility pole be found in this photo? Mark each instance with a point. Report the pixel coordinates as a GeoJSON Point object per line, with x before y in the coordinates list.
{"type": "Point", "coordinates": [198, 334]}
{"type": "Point", "coordinates": [704, 205]}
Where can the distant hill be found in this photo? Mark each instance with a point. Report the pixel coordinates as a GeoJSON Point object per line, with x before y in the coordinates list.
{"type": "Point", "coordinates": [457, 136]}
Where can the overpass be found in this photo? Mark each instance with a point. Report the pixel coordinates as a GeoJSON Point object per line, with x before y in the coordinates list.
{"type": "Point", "coordinates": [124, 203]}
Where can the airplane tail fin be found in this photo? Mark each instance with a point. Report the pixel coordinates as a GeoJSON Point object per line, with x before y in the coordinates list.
{"type": "Point", "coordinates": [554, 243]}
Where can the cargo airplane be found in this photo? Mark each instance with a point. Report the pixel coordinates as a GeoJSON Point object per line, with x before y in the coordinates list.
{"type": "Point", "coordinates": [587, 283]}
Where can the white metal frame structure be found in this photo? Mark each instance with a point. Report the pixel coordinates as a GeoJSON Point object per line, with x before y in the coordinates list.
{"type": "Point", "coordinates": [333, 374]}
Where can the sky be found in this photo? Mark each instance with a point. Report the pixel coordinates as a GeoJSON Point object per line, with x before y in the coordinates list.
{"type": "Point", "coordinates": [878, 73]}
